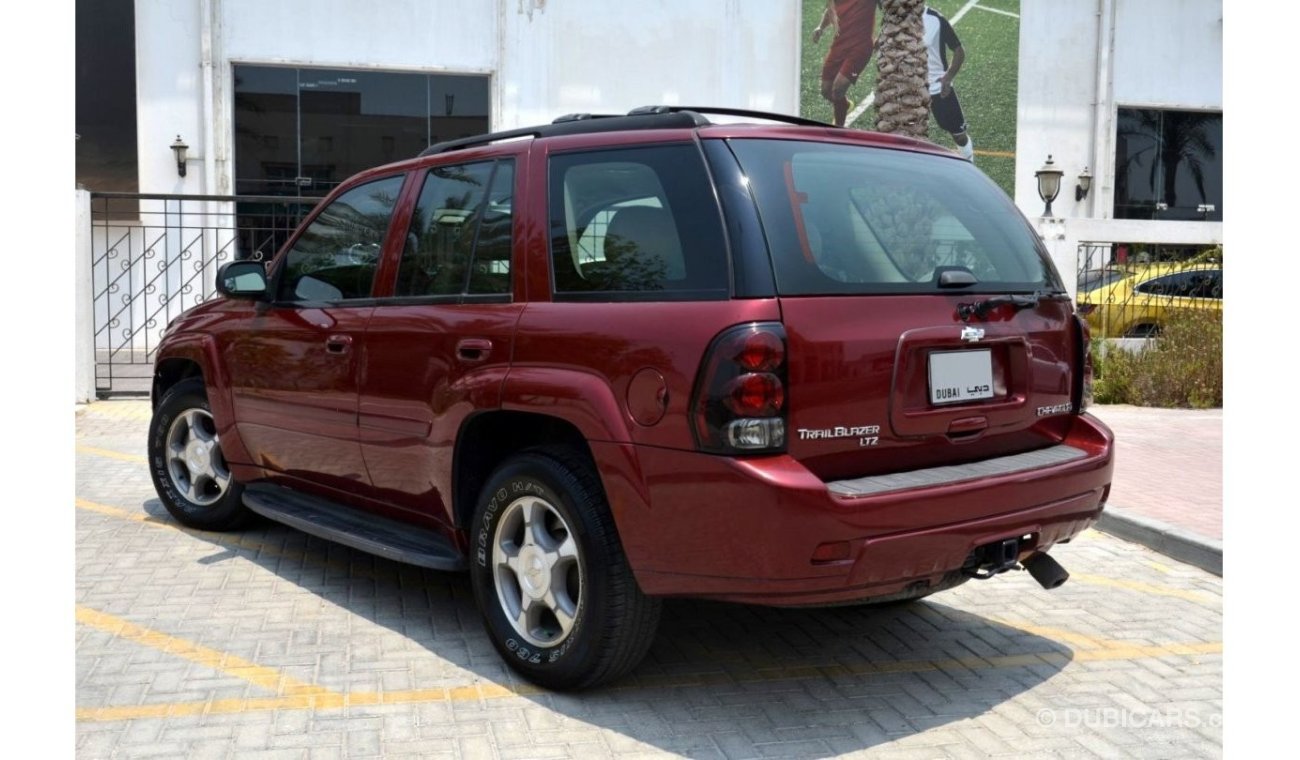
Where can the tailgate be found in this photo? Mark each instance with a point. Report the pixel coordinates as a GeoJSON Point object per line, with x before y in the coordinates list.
{"type": "Point", "coordinates": [925, 322]}
{"type": "Point", "coordinates": [893, 383]}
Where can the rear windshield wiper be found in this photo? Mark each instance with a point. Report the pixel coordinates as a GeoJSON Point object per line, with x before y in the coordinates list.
{"type": "Point", "coordinates": [980, 309]}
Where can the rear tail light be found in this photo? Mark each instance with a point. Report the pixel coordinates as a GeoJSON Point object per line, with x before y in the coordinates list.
{"type": "Point", "coordinates": [739, 405]}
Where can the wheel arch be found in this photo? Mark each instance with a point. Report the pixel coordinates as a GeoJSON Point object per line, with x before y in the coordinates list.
{"type": "Point", "coordinates": [195, 355]}
{"type": "Point", "coordinates": [170, 371]}
{"type": "Point", "coordinates": [489, 438]}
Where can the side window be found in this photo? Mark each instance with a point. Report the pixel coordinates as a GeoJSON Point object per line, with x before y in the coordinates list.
{"type": "Point", "coordinates": [1160, 286]}
{"type": "Point", "coordinates": [1207, 284]}
{"type": "Point", "coordinates": [490, 272]}
{"type": "Point", "coordinates": [335, 258]}
{"type": "Point", "coordinates": [440, 241]}
{"type": "Point", "coordinates": [1196, 283]}
{"type": "Point", "coordinates": [639, 223]}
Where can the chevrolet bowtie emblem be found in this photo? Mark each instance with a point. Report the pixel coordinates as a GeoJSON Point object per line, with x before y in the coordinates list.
{"type": "Point", "coordinates": [972, 334]}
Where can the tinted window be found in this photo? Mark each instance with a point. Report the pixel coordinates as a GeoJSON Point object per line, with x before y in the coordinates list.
{"type": "Point", "coordinates": [1168, 165]}
{"type": "Point", "coordinates": [1094, 279]}
{"type": "Point", "coordinates": [336, 256]}
{"type": "Point", "coordinates": [302, 131]}
{"type": "Point", "coordinates": [848, 219]}
{"type": "Point", "coordinates": [490, 272]}
{"type": "Point", "coordinates": [440, 240]}
{"type": "Point", "coordinates": [106, 101]}
{"type": "Point", "coordinates": [642, 223]}
{"type": "Point", "coordinates": [1198, 283]}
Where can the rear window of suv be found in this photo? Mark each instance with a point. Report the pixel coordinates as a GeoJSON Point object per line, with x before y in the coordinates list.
{"type": "Point", "coordinates": [844, 219]}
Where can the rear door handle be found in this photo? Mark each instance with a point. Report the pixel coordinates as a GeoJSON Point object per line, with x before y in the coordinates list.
{"type": "Point", "coordinates": [338, 344]}
{"type": "Point", "coordinates": [473, 349]}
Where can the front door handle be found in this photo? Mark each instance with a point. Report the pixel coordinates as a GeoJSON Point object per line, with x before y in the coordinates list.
{"type": "Point", "coordinates": [473, 349]}
{"type": "Point", "coordinates": [338, 344]}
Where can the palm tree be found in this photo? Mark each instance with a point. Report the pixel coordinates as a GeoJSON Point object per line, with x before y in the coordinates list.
{"type": "Point", "coordinates": [902, 94]}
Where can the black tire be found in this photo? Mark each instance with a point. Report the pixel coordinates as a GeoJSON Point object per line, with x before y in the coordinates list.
{"type": "Point", "coordinates": [210, 505]}
{"type": "Point", "coordinates": [614, 623]}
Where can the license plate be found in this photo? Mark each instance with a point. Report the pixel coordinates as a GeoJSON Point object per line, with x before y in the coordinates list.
{"type": "Point", "coordinates": [957, 376]}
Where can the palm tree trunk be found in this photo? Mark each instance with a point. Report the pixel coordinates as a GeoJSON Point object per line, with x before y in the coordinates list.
{"type": "Point", "coordinates": [902, 93]}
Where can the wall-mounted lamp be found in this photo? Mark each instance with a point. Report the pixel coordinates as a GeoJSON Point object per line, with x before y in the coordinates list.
{"type": "Point", "coordinates": [1049, 183]}
{"type": "Point", "coordinates": [1085, 184]}
{"type": "Point", "coordinates": [179, 147]}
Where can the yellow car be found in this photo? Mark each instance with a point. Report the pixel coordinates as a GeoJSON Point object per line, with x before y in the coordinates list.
{"type": "Point", "coordinates": [1137, 305]}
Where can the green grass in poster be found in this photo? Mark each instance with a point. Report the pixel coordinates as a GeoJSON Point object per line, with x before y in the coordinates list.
{"type": "Point", "coordinates": [986, 82]}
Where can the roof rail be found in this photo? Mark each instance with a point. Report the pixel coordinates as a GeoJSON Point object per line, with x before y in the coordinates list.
{"type": "Point", "coordinates": [766, 115]}
{"type": "Point", "coordinates": [583, 117]}
{"type": "Point", "coordinates": [645, 117]}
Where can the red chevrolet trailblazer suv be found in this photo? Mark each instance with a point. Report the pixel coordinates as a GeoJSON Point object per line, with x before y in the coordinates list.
{"type": "Point", "coordinates": [618, 358]}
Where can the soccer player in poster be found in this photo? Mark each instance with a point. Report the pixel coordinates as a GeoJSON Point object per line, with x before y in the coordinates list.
{"type": "Point", "coordinates": [854, 22]}
{"type": "Point", "coordinates": [939, 39]}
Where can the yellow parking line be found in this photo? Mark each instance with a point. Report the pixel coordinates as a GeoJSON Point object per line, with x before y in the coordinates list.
{"type": "Point", "coordinates": [121, 514]}
{"type": "Point", "coordinates": [997, 153]}
{"type": "Point", "coordinates": [224, 662]}
{"type": "Point", "coordinates": [1143, 588]}
{"type": "Point", "coordinates": [1167, 570]}
{"type": "Point", "coordinates": [1125, 652]}
{"type": "Point", "coordinates": [1059, 634]}
{"type": "Point", "coordinates": [96, 451]}
{"type": "Point", "coordinates": [487, 691]}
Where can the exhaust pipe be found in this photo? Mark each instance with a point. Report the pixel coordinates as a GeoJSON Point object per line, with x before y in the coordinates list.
{"type": "Point", "coordinates": [1047, 571]}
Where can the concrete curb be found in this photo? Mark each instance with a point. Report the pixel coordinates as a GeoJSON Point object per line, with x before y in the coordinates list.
{"type": "Point", "coordinates": [1170, 540]}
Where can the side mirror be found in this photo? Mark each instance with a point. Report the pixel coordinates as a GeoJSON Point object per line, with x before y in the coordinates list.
{"type": "Point", "coordinates": [242, 279]}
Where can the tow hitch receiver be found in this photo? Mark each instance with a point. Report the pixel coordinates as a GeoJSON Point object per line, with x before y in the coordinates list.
{"type": "Point", "coordinates": [991, 559]}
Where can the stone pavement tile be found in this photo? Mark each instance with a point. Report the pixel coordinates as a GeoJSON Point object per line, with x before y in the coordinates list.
{"type": "Point", "coordinates": [1169, 464]}
{"type": "Point", "coordinates": [329, 616]}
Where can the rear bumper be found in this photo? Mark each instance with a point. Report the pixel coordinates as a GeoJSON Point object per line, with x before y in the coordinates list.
{"type": "Point", "coordinates": [746, 529]}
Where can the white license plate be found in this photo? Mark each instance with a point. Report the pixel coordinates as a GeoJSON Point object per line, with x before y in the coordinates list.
{"type": "Point", "coordinates": [957, 376]}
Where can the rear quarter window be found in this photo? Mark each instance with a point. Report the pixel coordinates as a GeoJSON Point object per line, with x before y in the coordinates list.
{"type": "Point", "coordinates": [636, 224]}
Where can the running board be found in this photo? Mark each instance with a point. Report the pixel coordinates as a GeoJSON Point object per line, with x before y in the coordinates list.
{"type": "Point", "coordinates": [382, 536]}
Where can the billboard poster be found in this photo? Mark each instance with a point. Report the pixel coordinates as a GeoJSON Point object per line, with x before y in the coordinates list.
{"type": "Point", "coordinates": [971, 52]}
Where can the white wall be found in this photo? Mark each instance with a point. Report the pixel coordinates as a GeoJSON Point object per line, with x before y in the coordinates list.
{"type": "Point", "coordinates": [598, 56]}
{"type": "Point", "coordinates": [1170, 52]}
{"type": "Point", "coordinates": [1079, 61]}
{"type": "Point", "coordinates": [168, 89]}
{"type": "Point", "coordinates": [546, 58]}
{"type": "Point", "coordinates": [1057, 81]}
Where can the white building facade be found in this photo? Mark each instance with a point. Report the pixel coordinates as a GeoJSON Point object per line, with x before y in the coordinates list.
{"type": "Point", "coordinates": [536, 60]}
{"type": "Point", "coordinates": [288, 98]}
{"type": "Point", "coordinates": [1089, 71]}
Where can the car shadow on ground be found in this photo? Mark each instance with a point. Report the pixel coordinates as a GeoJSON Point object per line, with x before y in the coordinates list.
{"type": "Point", "coordinates": [855, 676]}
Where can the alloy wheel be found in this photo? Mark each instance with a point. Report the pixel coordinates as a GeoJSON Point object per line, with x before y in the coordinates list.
{"type": "Point", "coordinates": [537, 571]}
{"type": "Point", "coordinates": [194, 461]}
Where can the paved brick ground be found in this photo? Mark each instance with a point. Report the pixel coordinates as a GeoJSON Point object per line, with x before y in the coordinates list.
{"type": "Point", "coordinates": [273, 644]}
{"type": "Point", "coordinates": [1169, 465]}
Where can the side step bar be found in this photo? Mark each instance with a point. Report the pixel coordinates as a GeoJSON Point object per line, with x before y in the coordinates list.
{"type": "Point", "coordinates": [387, 538]}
